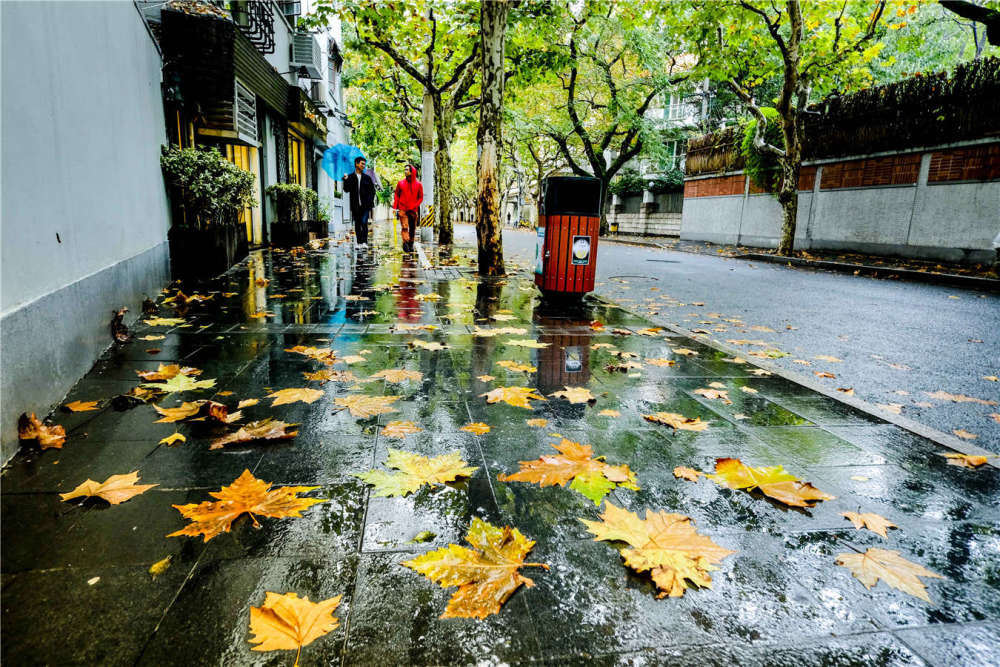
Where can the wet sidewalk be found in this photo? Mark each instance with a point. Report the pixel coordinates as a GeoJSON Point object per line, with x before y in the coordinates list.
{"type": "Point", "coordinates": [77, 587]}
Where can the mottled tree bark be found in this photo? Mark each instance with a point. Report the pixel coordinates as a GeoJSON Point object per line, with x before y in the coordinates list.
{"type": "Point", "coordinates": [492, 29]}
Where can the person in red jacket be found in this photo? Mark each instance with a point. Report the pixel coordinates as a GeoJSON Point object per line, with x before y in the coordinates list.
{"type": "Point", "coordinates": [408, 197]}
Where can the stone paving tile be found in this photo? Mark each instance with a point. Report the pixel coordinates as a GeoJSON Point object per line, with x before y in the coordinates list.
{"type": "Point", "coordinates": [779, 599]}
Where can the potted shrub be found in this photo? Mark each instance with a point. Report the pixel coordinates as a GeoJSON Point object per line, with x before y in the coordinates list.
{"type": "Point", "coordinates": [207, 194]}
{"type": "Point", "coordinates": [294, 205]}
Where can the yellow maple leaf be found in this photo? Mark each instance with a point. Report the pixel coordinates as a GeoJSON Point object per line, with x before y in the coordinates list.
{"type": "Point", "coordinates": [690, 474]}
{"type": "Point", "coordinates": [172, 438]}
{"type": "Point", "coordinates": [486, 575]}
{"type": "Point", "coordinates": [81, 406]}
{"type": "Point", "coordinates": [876, 523]}
{"type": "Point", "coordinates": [321, 354]}
{"type": "Point", "coordinates": [288, 622]}
{"type": "Point", "coordinates": [684, 351]}
{"type": "Point", "coordinates": [397, 375]}
{"type": "Point", "coordinates": [890, 567]}
{"type": "Point", "coordinates": [415, 471]}
{"type": "Point", "coordinates": [517, 396]}
{"type": "Point", "coordinates": [246, 403]}
{"type": "Point", "coordinates": [115, 489]}
{"type": "Point", "coordinates": [479, 428]}
{"type": "Point", "coordinates": [246, 495]}
{"type": "Point", "coordinates": [714, 394]}
{"type": "Point", "coordinates": [400, 429]}
{"type": "Point", "coordinates": [286, 396]}
{"type": "Point", "coordinates": [515, 366]}
{"type": "Point", "coordinates": [772, 481]}
{"type": "Point", "coordinates": [167, 371]}
{"type": "Point", "coordinates": [676, 421]}
{"type": "Point", "coordinates": [665, 545]}
{"type": "Point", "coordinates": [527, 342]}
{"type": "Point", "coordinates": [661, 362]}
{"type": "Point", "coordinates": [537, 423]}
{"type": "Point", "coordinates": [575, 394]}
{"type": "Point", "coordinates": [965, 460]}
{"type": "Point", "coordinates": [363, 406]}
{"type": "Point", "coordinates": [609, 413]}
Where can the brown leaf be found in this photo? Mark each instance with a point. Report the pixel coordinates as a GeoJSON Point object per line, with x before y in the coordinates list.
{"type": "Point", "coordinates": [890, 567]}
{"type": "Point", "coordinates": [846, 390]}
{"type": "Point", "coordinates": [286, 396]}
{"type": "Point", "coordinates": [876, 523]}
{"type": "Point", "coordinates": [328, 374]}
{"type": "Point", "coordinates": [324, 354]}
{"type": "Point", "coordinates": [676, 421]}
{"type": "Point", "coordinates": [661, 362]}
{"type": "Point", "coordinates": [115, 489]}
{"type": "Point", "coordinates": [714, 394]}
{"type": "Point", "coordinates": [30, 427]}
{"type": "Point", "coordinates": [824, 374]}
{"type": "Point", "coordinates": [263, 429]}
{"type": "Point", "coordinates": [81, 406]}
{"type": "Point", "coordinates": [288, 622]}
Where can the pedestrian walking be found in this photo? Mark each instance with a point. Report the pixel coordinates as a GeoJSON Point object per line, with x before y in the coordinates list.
{"type": "Point", "coordinates": [406, 200]}
{"type": "Point", "coordinates": [362, 191]}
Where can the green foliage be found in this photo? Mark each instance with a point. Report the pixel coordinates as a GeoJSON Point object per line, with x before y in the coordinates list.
{"type": "Point", "coordinates": [294, 202]}
{"type": "Point", "coordinates": [763, 168]}
{"type": "Point", "coordinates": [384, 195]}
{"type": "Point", "coordinates": [671, 181]}
{"type": "Point", "coordinates": [629, 182]}
{"type": "Point", "coordinates": [209, 188]}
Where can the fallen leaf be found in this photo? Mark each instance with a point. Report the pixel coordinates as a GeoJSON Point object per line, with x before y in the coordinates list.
{"type": "Point", "coordinates": [286, 396]}
{"type": "Point", "coordinates": [690, 474]}
{"type": "Point", "coordinates": [666, 545]}
{"type": "Point", "coordinates": [205, 408]}
{"type": "Point", "coordinates": [153, 350]}
{"type": "Point", "coordinates": [321, 354]}
{"type": "Point", "coordinates": [527, 342]}
{"type": "Point", "coordinates": [247, 495]}
{"type": "Point", "coordinates": [399, 429]}
{"type": "Point", "coordinates": [225, 393]}
{"type": "Point", "coordinates": [890, 567]}
{"type": "Point", "coordinates": [860, 478]}
{"type": "Point", "coordinates": [965, 435]}
{"type": "Point", "coordinates": [151, 337]}
{"type": "Point", "coordinates": [772, 481]}
{"type": "Point", "coordinates": [288, 622]}
{"type": "Point", "coordinates": [115, 489]}
{"type": "Point", "coordinates": [676, 421]}
{"type": "Point", "coordinates": [364, 407]}
{"type": "Point", "coordinates": [537, 423]}
{"type": "Point", "coordinates": [895, 408]}
{"type": "Point", "coordinates": [415, 471]}
{"type": "Point", "coordinates": [93, 580]}
{"type": "Point", "coordinates": [263, 429]}
{"type": "Point", "coordinates": [517, 396]}
{"type": "Point", "coordinates": [803, 362]}
{"type": "Point", "coordinates": [432, 346]}
{"type": "Point", "coordinates": [515, 366]}
{"type": "Point", "coordinates": [164, 321]}
{"type": "Point", "coordinates": [876, 523]}
{"type": "Point", "coordinates": [991, 378]}
{"type": "Point", "coordinates": [171, 439]}
{"type": "Point", "coordinates": [246, 403]}
{"type": "Point", "coordinates": [167, 371]}
{"type": "Point", "coordinates": [328, 374]}
{"type": "Point", "coordinates": [684, 351]}
{"type": "Point", "coordinates": [180, 383]}
{"type": "Point", "coordinates": [661, 362]}
{"type": "Point", "coordinates": [30, 427]}
{"type": "Point", "coordinates": [760, 372]}
{"type": "Point", "coordinates": [423, 536]}
{"type": "Point", "coordinates": [846, 390]}
{"type": "Point", "coordinates": [487, 575]}
{"type": "Point", "coordinates": [479, 428]}
{"type": "Point", "coordinates": [591, 477]}
{"type": "Point", "coordinates": [995, 416]}
{"type": "Point", "coordinates": [714, 394]}
{"type": "Point", "coordinates": [485, 378]}
{"type": "Point", "coordinates": [958, 398]}
{"type": "Point", "coordinates": [965, 460]}
{"type": "Point", "coordinates": [398, 375]}
{"type": "Point", "coordinates": [600, 346]}
{"type": "Point", "coordinates": [351, 359]}
{"type": "Point", "coordinates": [575, 394]}
{"type": "Point", "coordinates": [159, 567]}
{"type": "Point", "coordinates": [609, 413]}
{"type": "Point", "coordinates": [81, 406]}
{"type": "Point", "coordinates": [824, 374]}
{"type": "Point", "coordinates": [827, 357]}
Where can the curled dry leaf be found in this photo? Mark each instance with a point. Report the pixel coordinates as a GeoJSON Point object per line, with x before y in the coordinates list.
{"type": "Point", "coordinates": [690, 474]}
{"type": "Point", "coordinates": [303, 395]}
{"type": "Point", "coordinates": [30, 427]}
{"type": "Point", "coordinates": [772, 481]}
{"type": "Point", "coordinates": [288, 622]}
{"type": "Point", "coordinates": [263, 429]}
{"type": "Point", "coordinates": [519, 397]}
{"type": "Point", "coordinates": [714, 394]}
{"type": "Point", "coordinates": [958, 398]}
{"type": "Point", "coordinates": [965, 460]}
{"type": "Point", "coordinates": [172, 438]}
{"type": "Point", "coordinates": [399, 429]}
{"type": "Point", "coordinates": [81, 406]}
{"type": "Point", "coordinates": [876, 523]}
{"type": "Point", "coordinates": [479, 428]}
{"type": "Point", "coordinates": [115, 489]}
{"type": "Point", "coordinates": [246, 495]}
{"type": "Point", "coordinates": [363, 406]}
{"type": "Point", "coordinates": [486, 575]}
{"type": "Point", "coordinates": [891, 568]}
{"type": "Point", "coordinates": [965, 435]}
{"type": "Point", "coordinates": [321, 354]}
{"type": "Point", "coordinates": [676, 421]}
{"type": "Point", "coordinates": [415, 471]}
{"type": "Point", "coordinates": [575, 395]}
{"type": "Point", "coordinates": [591, 477]}
{"type": "Point", "coordinates": [164, 321]}
{"type": "Point", "coordinates": [665, 545]}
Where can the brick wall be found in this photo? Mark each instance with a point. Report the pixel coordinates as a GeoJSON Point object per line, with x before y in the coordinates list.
{"type": "Point", "coordinates": [975, 163]}
{"type": "Point", "coordinates": [714, 187]}
{"type": "Point", "coordinates": [872, 172]}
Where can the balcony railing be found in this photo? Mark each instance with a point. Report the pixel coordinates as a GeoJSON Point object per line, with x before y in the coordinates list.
{"type": "Point", "coordinates": [254, 20]}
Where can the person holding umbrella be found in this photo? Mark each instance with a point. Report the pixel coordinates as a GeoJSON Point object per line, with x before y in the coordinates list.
{"type": "Point", "coordinates": [362, 191]}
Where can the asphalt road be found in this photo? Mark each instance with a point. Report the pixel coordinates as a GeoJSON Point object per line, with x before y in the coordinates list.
{"type": "Point", "coordinates": [897, 341]}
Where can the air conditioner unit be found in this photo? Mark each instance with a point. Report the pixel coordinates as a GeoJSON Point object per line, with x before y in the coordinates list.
{"type": "Point", "coordinates": [246, 114]}
{"type": "Point", "coordinates": [306, 53]}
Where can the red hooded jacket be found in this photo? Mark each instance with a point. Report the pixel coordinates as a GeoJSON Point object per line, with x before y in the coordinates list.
{"type": "Point", "coordinates": [409, 195]}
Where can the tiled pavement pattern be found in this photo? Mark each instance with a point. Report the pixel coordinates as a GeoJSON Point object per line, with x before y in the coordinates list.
{"type": "Point", "coordinates": [779, 600]}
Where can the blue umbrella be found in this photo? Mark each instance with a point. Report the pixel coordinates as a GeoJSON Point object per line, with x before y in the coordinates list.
{"type": "Point", "coordinates": [338, 160]}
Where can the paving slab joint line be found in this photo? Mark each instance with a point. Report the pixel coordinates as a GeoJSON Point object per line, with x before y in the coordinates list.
{"type": "Point", "coordinates": [924, 431]}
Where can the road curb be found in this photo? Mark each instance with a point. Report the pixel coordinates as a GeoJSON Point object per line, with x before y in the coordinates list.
{"type": "Point", "coordinates": [952, 279]}
{"type": "Point", "coordinates": [905, 423]}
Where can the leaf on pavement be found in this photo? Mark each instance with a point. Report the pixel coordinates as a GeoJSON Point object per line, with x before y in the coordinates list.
{"type": "Point", "coordinates": [328, 374]}
{"type": "Point", "coordinates": [661, 362]}
{"type": "Point", "coordinates": [515, 366]}
{"type": "Point", "coordinates": [164, 321]}
{"type": "Point", "coordinates": [204, 408]}
{"type": "Point", "coordinates": [846, 390]}
{"type": "Point", "coordinates": [29, 427]}
{"type": "Point", "coordinates": [321, 354]}
{"type": "Point", "coordinates": [478, 428]}
{"type": "Point", "coordinates": [995, 416]}
{"type": "Point", "coordinates": [891, 568]}
{"type": "Point", "coordinates": [519, 397]}
{"type": "Point", "coordinates": [363, 406]}
{"type": "Point", "coordinates": [894, 408]}
{"type": "Point", "coordinates": [965, 460]}
{"type": "Point", "coordinates": [115, 489]}
{"type": "Point", "coordinates": [591, 477]}
{"type": "Point", "coordinates": [676, 421]}
{"type": "Point", "coordinates": [527, 342]}
{"type": "Point", "coordinates": [824, 374]}
{"type": "Point", "coordinates": [714, 394]}
{"type": "Point", "coordinates": [827, 357]}
{"type": "Point", "coordinates": [537, 423]}
{"type": "Point", "coordinates": [432, 346]}
{"type": "Point", "coordinates": [609, 413]}
{"type": "Point", "coordinates": [167, 371]}
{"type": "Point", "coordinates": [398, 375]}
{"type": "Point", "coordinates": [958, 398]}
{"type": "Point", "coordinates": [160, 566]}
{"type": "Point", "coordinates": [748, 390]}
{"type": "Point", "coordinates": [965, 435]}
{"type": "Point", "coordinates": [485, 378]}
{"type": "Point", "coordinates": [486, 575]}
{"type": "Point", "coordinates": [286, 396]}
{"type": "Point", "coordinates": [876, 523]}
{"type": "Point", "coordinates": [665, 545]}
{"type": "Point", "coordinates": [690, 474]}
{"type": "Point", "coordinates": [684, 351]}
{"type": "Point", "coordinates": [81, 406]}
{"type": "Point", "coordinates": [575, 394]}
{"type": "Point", "coordinates": [263, 429]}
{"type": "Point", "coordinates": [246, 495]}
{"type": "Point", "coordinates": [180, 383]}
{"type": "Point", "coordinates": [772, 481]}
{"type": "Point", "coordinates": [288, 622]}
{"type": "Point", "coordinates": [246, 403]}
{"type": "Point", "coordinates": [400, 429]}
{"type": "Point", "coordinates": [760, 372]}
{"type": "Point", "coordinates": [172, 438]}
{"type": "Point", "coordinates": [415, 471]}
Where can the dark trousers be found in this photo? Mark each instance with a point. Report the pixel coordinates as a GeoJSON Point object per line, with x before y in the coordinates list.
{"type": "Point", "coordinates": [360, 217]}
{"type": "Point", "coordinates": [409, 218]}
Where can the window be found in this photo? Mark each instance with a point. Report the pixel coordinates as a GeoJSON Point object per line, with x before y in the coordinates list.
{"type": "Point", "coordinates": [678, 152]}
{"type": "Point", "coordinates": [296, 160]}
{"type": "Point", "coordinates": [245, 157]}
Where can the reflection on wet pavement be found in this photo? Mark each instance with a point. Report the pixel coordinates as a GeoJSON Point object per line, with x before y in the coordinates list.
{"type": "Point", "coordinates": [75, 582]}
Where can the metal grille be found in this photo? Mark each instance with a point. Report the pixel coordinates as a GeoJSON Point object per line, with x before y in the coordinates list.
{"type": "Point", "coordinates": [256, 22]}
{"type": "Point", "coordinates": [280, 129]}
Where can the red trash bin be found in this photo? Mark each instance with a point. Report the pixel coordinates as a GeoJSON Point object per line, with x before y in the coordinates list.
{"type": "Point", "coordinates": [568, 227]}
